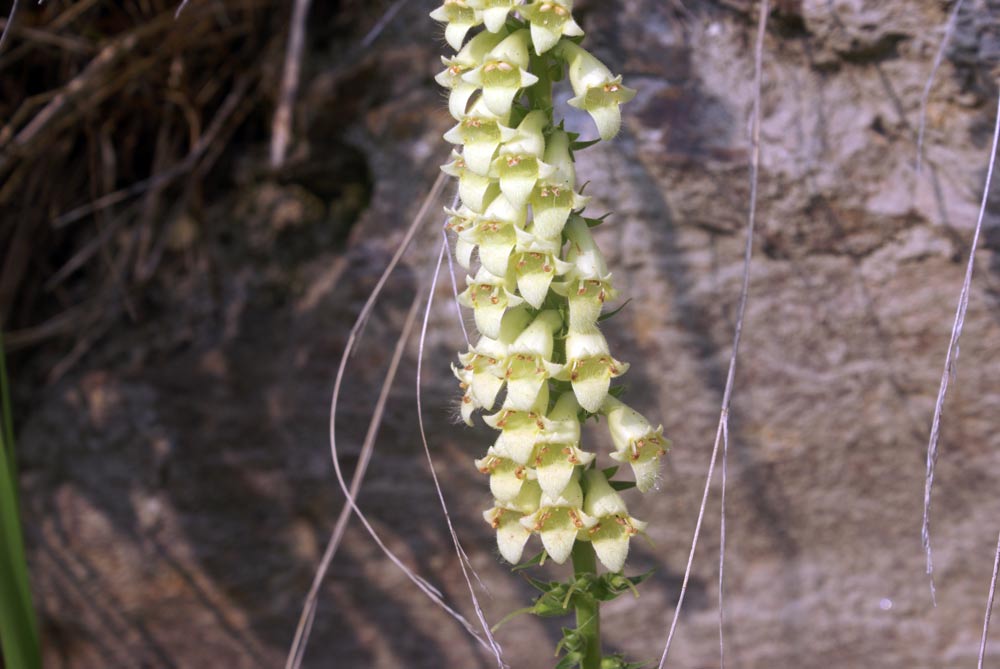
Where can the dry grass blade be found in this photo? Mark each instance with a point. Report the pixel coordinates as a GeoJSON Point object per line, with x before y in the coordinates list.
{"type": "Point", "coordinates": [723, 428]}
{"type": "Point", "coordinates": [989, 605]}
{"type": "Point", "coordinates": [925, 96]}
{"type": "Point", "coordinates": [432, 593]}
{"type": "Point", "coordinates": [226, 110]}
{"type": "Point", "coordinates": [281, 127]}
{"type": "Point", "coordinates": [304, 628]}
{"type": "Point", "coordinates": [381, 24]}
{"type": "Point", "coordinates": [951, 359]}
{"type": "Point", "coordinates": [463, 559]}
{"type": "Point", "coordinates": [9, 26]}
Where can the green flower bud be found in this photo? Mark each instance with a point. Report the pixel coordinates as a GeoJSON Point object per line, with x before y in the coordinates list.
{"type": "Point", "coordinates": [636, 442]}
{"type": "Point", "coordinates": [597, 92]}
{"type": "Point", "coordinates": [458, 18]}
{"type": "Point", "coordinates": [549, 22]}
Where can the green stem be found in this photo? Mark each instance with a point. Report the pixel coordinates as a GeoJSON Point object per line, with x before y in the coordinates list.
{"type": "Point", "coordinates": [588, 612]}
{"type": "Point", "coordinates": [540, 94]}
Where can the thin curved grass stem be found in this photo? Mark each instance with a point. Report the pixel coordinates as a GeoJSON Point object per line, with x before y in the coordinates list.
{"type": "Point", "coordinates": [723, 427]}
{"type": "Point", "coordinates": [304, 628]}
{"type": "Point", "coordinates": [722, 547]}
{"type": "Point", "coordinates": [951, 359]}
{"type": "Point", "coordinates": [432, 593]}
{"type": "Point", "coordinates": [926, 94]}
{"type": "Point", "coordinates": [9, 25]}
{"type": "Point", "coordinates": [989, 605]}
{"type": "Point", "coordinates": [454, 290]}
{"type": "Point", "coordinates": [462, 557]}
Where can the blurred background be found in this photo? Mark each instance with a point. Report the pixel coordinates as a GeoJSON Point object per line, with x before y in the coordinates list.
{"type": "Point", "coordinates": [175, 302]}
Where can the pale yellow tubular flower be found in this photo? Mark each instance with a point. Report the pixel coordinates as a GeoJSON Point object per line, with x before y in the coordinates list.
{"type": "Point", "coordinates": [610, 535]}
{"type": "Point", "coordinates": [557, 453]}
{"type": "Point", "coordinates": [597, 92]}
{"type": "Point", "coordinates": [506, 519]}
{"type": "Point", "coordinates": [550, 21]}
{"type": "Point", "coordinates": [590, 367]}
{"type": "Point", "coordinates": [553, 198]}
{"type": "Point", "coordinates": [503, 73]}
{"type": "Point", "coordinates": [636, 442]}
{"type": "Point", "coordinates": [489, 296]}
{"type": "Point", "coordinates": [470, 57]}
{"type": "Point", "coordinates": [559, 519]}
{"type": "Point", "coordinates": [587, 285]}
{"type": "Point", "coordinates": [458, 18]}
{"type": "Point", "coordinates": [529, 364]}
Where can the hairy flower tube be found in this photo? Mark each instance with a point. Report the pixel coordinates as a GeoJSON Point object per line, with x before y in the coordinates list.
{"type": "Point", "coordinates": [537, 287]}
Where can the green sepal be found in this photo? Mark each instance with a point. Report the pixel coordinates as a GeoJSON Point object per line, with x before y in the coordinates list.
{"type": "Point", "coordinates": [572, 659]}
{"type": "Point", "coordinates": [580, 146]}
{"type": "Point", "coordinates": [610, 471]}
{"type": "Point", "coordinates": [604, 317]}
{"type": "Point", "coordinates": [622, 485]}
{"type": "Point", "coordinates": [607, 587]}
{"type": "Point", "coordinates": [618, 662]}
{"type": "Point", "coordinates": [536, 561]}
{"type": "Point", "coordinates": [594, 222]}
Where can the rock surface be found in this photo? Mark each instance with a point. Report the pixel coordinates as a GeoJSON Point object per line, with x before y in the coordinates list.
{"type": "Point", "coordinates": [178, 489]}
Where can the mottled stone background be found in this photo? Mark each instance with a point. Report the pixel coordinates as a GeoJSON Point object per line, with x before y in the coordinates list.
{"type": "Point", "coordinates": [177, 484]}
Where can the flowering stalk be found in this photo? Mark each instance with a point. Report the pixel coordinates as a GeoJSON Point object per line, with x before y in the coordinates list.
{"type": "Point", "coordinates": [537, 289]}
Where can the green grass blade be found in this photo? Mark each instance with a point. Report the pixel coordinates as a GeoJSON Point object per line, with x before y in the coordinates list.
{"type": "Point", "coordinates": [18, 627]}
{"type": "Point", "coordinates": [6, 414]}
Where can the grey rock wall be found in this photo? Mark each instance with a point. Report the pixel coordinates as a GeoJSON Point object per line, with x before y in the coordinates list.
{"type": "Point", "coordinates": [178, 498]}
